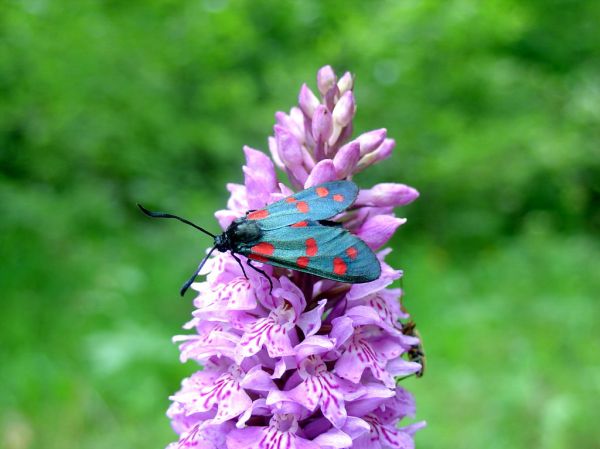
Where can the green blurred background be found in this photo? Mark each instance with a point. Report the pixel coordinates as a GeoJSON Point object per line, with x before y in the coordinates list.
{"type": "Point", "coordinates": [496, 110]}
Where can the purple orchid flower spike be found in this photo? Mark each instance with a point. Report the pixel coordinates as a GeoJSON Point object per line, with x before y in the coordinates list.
{"type": "Point", "coordinates": [311, 363]}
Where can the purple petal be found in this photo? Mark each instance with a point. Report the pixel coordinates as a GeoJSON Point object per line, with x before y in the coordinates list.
{"type": "Point", "coordinates": [260, 178]}
{"type": "Point", "coordinates": [290, 153]}
{"type": "Point", "coordinates": [333, 439]}
{"type": "Point", "coordinates": [288, 146]}
{"type": "Point", "coordinates": [386, 348]}
{"type": "Point", "coordinates": [355, 427]}
{"type": "Point", "coordinates": [320, 390]}
{"type": "Point", "coordinates": [325, 79]}
{"type": "Point", "coordinates": [413, 428]}
{"type": "Point", "coordinates": [363, 315]}
{"type": "Point", "coordinates": [381, 153]}
{"type": "Point", "coordinates": [388, 310]}
{"type": "Point", "coordinates": [314, 345]}
{"type": "Point", "coordinates": [201, 348]}
{"type": "Point", "coordinates": [306, 394]}
{"type": "Point", "coordinates": [265, 332]}
{"type": "Point", "coordinates": [230, 404]}
{"type": "Point", "coordinates": [258, 380]}
{"type": "Point", "coordinates": [203, 435]}
{"type": "Point", "coordinates": [361, 353]}
{"type": "Point", "coordinates": [280, 434]}
{"type": "Point", "coordinates": [285, 190]}
{"type": "Point", "coordinates": [321, 124]}
{"type": "Point", "coordinates": [310, 322]}
{"type": "Point", "coordinates": [332, 403]}
{"type": "Point", "coordinates": [401, 367]}
{"type": "Point", "coordinates": [377, 230]}
{"type": "Point", "coordinates": [387, 195]}
{"type": "Point", "coordinates": [344, 109]}
{"type": "Point", "coordinates": [401, 405]}
{"type": "Point", "coordinates": [371, 140]}
{"type": "Point", "coordinates": [293, 123]}
{"type": "Point", "coordinates": [308, 101]}
{"type": "Point", "coordinates": [292, 294]}
{"type": "Point", "coordinates": [337, 311]}
{"type": "Point", "coordinates": [237, 294]}
{"type": "Point", "coordinates": [282, 365]}
{"type": "Point", "coordinates": [226, 217]}
{"type": "Point", "coordinates": [247, 438]}
{"type": "Point", "coordinates": [237, 201]}
{"type": "Point", "coordinates": [358, 291]}
{"type": "Point", "coordinates": [258, 408]}
{"type": "Point", "coordinates": [346, 159]}
{"type": "Point", "coordinates": [275, 152]}
{"type": "Point", "coordinates": [342, 330]}
{"type": "Point", "coordinates": [350, 367]}
{"type": "Point", "coordinates": [345, 83]}
{"type": "Point", "coordinates": [375, 395]}
{"type": "Point", "coordinates": [386, 437]}
{"type": "Point", "coordinates": [324, 171]}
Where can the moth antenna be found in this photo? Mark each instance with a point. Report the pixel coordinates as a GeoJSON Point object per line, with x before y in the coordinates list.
{"type": "Point", "coordinates": [183, 220]}
{"type": "Point", "coordinates": [190, 281]}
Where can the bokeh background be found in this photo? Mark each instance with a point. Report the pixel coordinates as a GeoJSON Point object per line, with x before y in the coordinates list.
{"type": "Point", "coordinates": [496, 110]}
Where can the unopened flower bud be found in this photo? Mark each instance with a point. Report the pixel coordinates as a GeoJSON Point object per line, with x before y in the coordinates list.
{"type": "Point", "coordinates": [324, 171]}
{"type": "Point", "coordinates": [325, 79]}
{"type": "Point", "coordinates": [344, 110]}
{"type": "Point", "coordinates": [345, 83]}
{"type": "Point", "coordinates": [321, 124]}
{"type": "Point", "coordinates": [346, 159]}
{"type": "Point", "coordinates": [383, 152]}
{"type": "Point", "coordinates": [377, 230]}
{"type": "Point", "coordinates": [307, 100]}
{"type": "Point", "coordinates": [387, 195]}
{"type": "Point", "coordinates": [371, 140]}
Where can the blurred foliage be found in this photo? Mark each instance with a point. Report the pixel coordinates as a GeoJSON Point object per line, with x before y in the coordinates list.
{"type": "Point", "coordinates": [496, 110]}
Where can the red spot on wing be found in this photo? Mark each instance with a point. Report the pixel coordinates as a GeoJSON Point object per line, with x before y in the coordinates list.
{"type": "Point", "coordinates": [302, 206]}
{"type": "Point", "coordinates": [258, 214]}
{"type": "Point", "coordinates": [263, 248]}
{"type": "Point", "coordinates": [302, 262]}
{"type": "Point", "coordinates": [290, 199]}
{"type": "Point", "coordinates": [311, 247]}
{"type": "Point", "coordinates": [339, 266]}
{"type": "Point", "coordinates": [337, 197]}
{"type": "Point", "coordinates": [258, 257]}
{"type": "Point", "coordinates": [352, 252]}
{"type": "Point", "coordinates": [322, 191]}
{"type": "Point", "coordinates": [300, 224]}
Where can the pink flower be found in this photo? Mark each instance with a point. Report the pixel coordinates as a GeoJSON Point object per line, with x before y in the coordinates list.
{"type": "Point", "coordinates": [312, 363]}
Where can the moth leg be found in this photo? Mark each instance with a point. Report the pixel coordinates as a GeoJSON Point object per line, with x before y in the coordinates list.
{"type": "Point", "coordinates": [249, 262]}
{"type": "Point", "coordinates": [237, 259]}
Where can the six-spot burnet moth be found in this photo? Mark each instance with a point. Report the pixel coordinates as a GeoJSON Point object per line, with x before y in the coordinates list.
{"type": "Point", "coordinates": [294, 233]}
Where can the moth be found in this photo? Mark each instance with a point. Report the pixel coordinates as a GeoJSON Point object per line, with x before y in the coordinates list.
{"type": "Point", "coordinates": [295, 233]}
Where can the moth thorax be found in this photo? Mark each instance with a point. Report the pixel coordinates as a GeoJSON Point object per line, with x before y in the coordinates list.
{"type": "Point", "coordinates": [246, 231]}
